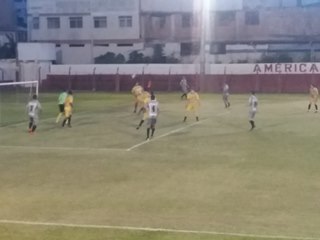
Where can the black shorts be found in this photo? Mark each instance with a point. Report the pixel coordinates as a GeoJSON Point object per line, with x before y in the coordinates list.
{"type": "Point", "coordinates": [152, 121]}
{"type": "Point", "coordinates": [61, 108]}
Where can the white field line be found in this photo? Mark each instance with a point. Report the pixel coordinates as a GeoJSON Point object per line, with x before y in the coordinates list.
{"type": "Point", "coordinates": [42, 120]}
{"type": "Point", "coordinates": [171, 132]}
{"type": "Point", "coordinates": [163, 135]}
{"type": "Point", "coordinates": [62, 148]}
{"type": "Point", "coordinates": [166, 230]}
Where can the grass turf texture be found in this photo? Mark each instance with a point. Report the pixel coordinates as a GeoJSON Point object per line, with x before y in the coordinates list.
{"type": "Point", "coordinates": [212, 176]}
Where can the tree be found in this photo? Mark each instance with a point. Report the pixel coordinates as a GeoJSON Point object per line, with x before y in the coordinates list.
{"type": "Point", "coordinates": [158, 55]}
{"type": "Point", "coordinates": [120, 59]}
{"type": "Point", "coordinates": [276, 58]}
{"type": "Point", "coordinates": [8, 50]}
{"type": "Point", "coordinates": [136, 57]}
{"type": "Point", "coordinates": [110, 58]}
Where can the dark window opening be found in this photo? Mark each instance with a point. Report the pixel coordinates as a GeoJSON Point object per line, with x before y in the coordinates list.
{"type": "Point", "coordinates": [252, 18]}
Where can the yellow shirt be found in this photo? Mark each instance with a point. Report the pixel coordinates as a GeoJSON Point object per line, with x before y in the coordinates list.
{"type": "Point", "coordinates": [146, 97]}
{"type": "Point", "coordinates": [69, 102]}
{"type": "Point", "coordinates": [137, 90]}
{"type": "Point", "coordinates": [193, 98]}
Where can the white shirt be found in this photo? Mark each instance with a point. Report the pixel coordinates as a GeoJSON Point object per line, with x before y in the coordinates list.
{"type": "Point", "coordinates": [153, 107]}
{"type": "Point", "coordinates": [33, 108]}
{"type": "Point", "coordinates": [184, 85]}
{"type": "Point", "coordinates": [226, 89]}
{"type": "Point", "coordinates": [253, 103]}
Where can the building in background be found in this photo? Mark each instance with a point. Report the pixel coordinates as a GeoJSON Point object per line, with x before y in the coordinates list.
{"type": "Point", "coordinates": [273, 30]}
{"type": "Point", "coordinates": [187, 31]}
{"type": "Point", "coordinates": [20, 7]}
{"type": "Point", "coordinates": [174, 25]}
{"type": "Point", "coordinates": [85, 29]}
{"type": "Point", "coordinates": [7, 21]}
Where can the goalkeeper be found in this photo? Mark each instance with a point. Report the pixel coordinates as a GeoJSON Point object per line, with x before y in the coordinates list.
{"type": "Point", "coordinates": [61, 99]}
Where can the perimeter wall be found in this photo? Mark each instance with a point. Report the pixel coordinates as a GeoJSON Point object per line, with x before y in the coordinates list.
{"type": "Point", "coordinates": [242, 78]}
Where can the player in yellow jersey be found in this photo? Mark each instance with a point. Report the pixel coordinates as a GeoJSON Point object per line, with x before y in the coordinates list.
{"type": "Point", "coordinates": [136, 92]}
{"type": "Point", "coordinates": [144, 99]}
{"type": "Point", "coordinates": [193, 104]}
{"type": "Point", "coordinates": [68, 107]}
{"type": "Point", "coordinates": [314, 95]}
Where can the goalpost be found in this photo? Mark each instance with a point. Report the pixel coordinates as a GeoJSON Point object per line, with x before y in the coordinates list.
{"type": "Point", "coordinates": [13, 100]}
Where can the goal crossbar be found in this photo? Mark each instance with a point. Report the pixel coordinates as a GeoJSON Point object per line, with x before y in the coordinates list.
{"type": "Point", "coordinates": [22, 83]}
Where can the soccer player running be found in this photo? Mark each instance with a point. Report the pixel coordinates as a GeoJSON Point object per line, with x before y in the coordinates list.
{"type": "Point", "coordinates": [184, 88]}
{"type": "Point", "coordinates": [61, 99]}
{"type": "Point", "coordinates": [33, 109]}
{"type": "Point", "coordinates": [144, 99]}
{"type": "Point", "coordinates": [225, 95]}
{"type": "Point", "coordinates": [314, 95]}
{"type": "Point", "coordinates": [253, 104]}
{"type": "Point", "coordinates": [153, 111]}
{"type": "Point", "coordinates": [136, 92]}
{"type": "Point", "coordinates": [68, 107]}
{"type": "Point", "coordinates": [193, 104]}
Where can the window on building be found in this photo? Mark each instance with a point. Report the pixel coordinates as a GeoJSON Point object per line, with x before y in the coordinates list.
{"type": "Point", "coordinates": [53, 22]}
{"type": "Point", "coordinates": [101, 45]}
{"type": "Point", "coordinates": [76, 45]}
{"type": "Point", "coordinates": [225, 18]}
{"type": "Point", "coordinates": [75, 22]}
{"type": "Point", "coordinates": [100, 22]}
{"type": "Point", "coordinates": [162, 21]}
{"type": "Point", "coordinates": [187, 49]}
{"type": "Point", "coordinates": [124, 44]}
{"type": "Point", "coordinates": [125, 21]}
{"type": "Point", "coordinates": [252, 18]}
{"type": "Point", "coordinates": [186, 20]}
{"type": "Point", "coordinates": [218, 48]}
{"type": "Point", "coordinates": [36, 23]}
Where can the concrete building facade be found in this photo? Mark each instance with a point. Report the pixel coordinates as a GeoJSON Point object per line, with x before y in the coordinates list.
{"type": "Point", "coordinates": [7, 20]}
{"type": "Point", "coordinates": [84, 29]}
{"type": "Point", "coordinates": [20, 7]}
{"type": "Point", "coordinates": [257, 28]}
{"type": "Point", "coordinates": [223, 31]}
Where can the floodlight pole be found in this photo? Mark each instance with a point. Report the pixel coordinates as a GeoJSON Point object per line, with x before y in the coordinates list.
{"type": "Point", "coordinates": [202, 80]}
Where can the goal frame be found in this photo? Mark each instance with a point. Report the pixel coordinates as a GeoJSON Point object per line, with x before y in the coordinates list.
{"type": "Point", "coordinates": [22, 83]}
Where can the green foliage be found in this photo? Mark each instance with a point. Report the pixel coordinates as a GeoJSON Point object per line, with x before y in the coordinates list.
{"type": "Point", "coordinates": [110, 58]}
{"type": "Point", "coordinates": [172, 59]}
{"type": "Point", "coordinates": [8, 50]}
{"type": "Point", "coordinates": [306, 57]}
{"type": "Point", "coordinates": [157, 57]}
{"type": "Point", "coordinates": [158, 54]}
{"type": "Point", "coordinates": [136, 57]}
{"type": "Point", "coordinates": [276, 58]}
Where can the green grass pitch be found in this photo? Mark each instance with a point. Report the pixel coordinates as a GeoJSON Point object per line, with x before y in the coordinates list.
{"type": "Point", "coordinates": [194, 181]}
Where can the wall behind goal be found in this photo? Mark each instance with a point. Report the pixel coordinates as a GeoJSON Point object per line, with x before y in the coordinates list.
{"type": "Point", "coordinates": [242, 78]}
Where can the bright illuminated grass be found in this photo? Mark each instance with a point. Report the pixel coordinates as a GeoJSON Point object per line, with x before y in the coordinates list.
{"type": "Point", "coordinates": [214, 176]}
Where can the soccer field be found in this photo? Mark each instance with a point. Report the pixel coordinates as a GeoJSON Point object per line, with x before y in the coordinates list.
{"type": "Point", "coordinates": [212, 179]}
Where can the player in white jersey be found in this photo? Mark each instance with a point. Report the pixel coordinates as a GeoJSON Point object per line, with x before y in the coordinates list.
{"type": "Point", "coordinates": [184, 88]}
{"type": "Point", "coordinates": [153, 111]}
{"type": "Point", "coordinates": [225, 95]}
{"type": "Point", "coordinates": [253, 104]}
{"type": "Point", "coordinates": [33, 109]}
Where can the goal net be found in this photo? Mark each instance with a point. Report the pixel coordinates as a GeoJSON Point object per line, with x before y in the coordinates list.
{"type": "Point", "coordinates": [14, 97]}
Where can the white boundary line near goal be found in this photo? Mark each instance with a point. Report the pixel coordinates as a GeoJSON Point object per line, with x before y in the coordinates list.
{"type": "Point", "coordinates": [62, 148]}
{"type": "Point", "coordinates": [171, 132]}
{"type": "Point", "coordinates": [166, 230]}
